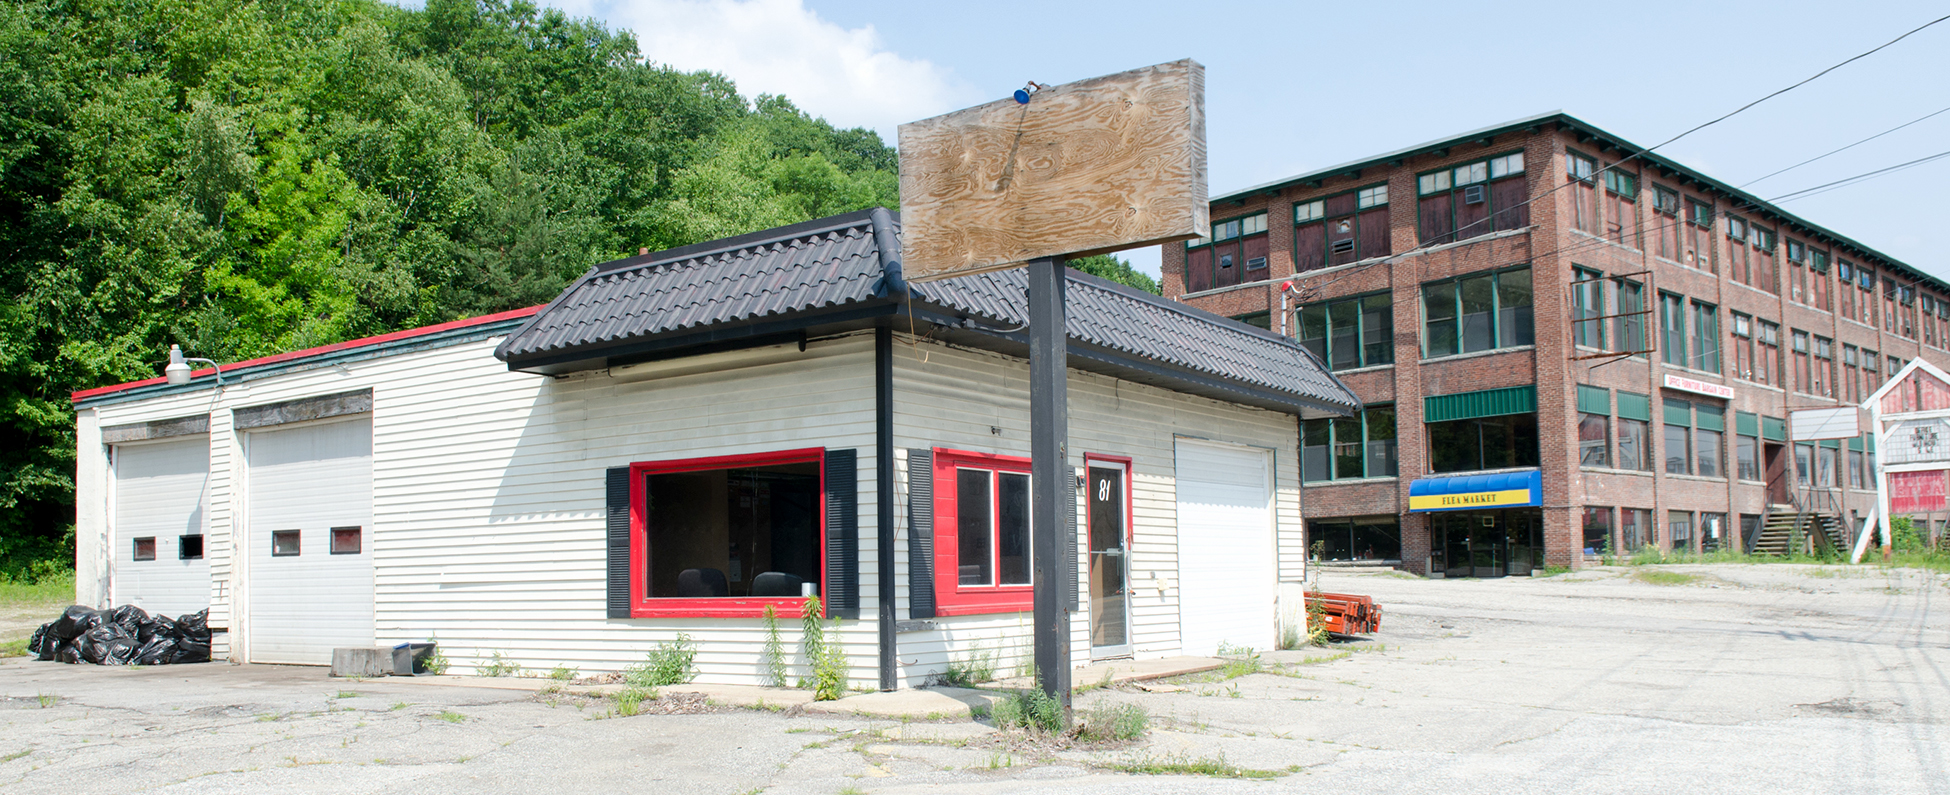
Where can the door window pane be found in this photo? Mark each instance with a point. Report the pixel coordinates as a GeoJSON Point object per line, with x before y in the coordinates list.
{"type": "Point", "coordinates": [346, 540]}
{"type": "Point", "coordinates": [284, 543]}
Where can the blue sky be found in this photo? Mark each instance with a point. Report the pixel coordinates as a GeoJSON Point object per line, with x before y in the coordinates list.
{"type": "Point", "coordinates": [1297, 86]}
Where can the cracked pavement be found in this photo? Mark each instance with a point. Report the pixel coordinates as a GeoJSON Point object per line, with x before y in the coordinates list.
{"type": "Point", "coordinates": [1746, 679]}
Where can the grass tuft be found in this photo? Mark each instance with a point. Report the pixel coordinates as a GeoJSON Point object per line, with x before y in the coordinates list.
{"type": "Point", "coordinates": [451, 716]}
{"type": "Point", "coordinates": [1180, 765]}
{"type": "Point", "coordinates": [1665, 577]}
{"type": "Point", "coordinates": [1113, 723]}
{"type": "Point", "coordinates": [671, 663]}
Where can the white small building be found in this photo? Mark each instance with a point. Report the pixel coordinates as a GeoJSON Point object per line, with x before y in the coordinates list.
{"type": "Point", "coordinates": [682, 439]}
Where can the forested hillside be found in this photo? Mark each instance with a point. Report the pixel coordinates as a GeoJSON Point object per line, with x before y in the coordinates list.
{"type": "Point", "coordinates": [244, 178]}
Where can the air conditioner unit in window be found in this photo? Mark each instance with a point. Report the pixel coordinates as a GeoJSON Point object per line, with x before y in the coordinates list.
{"type": "Point", "coordinates": [1474, 194]}
{"type": "Point", "coordinates": [1343, 246]}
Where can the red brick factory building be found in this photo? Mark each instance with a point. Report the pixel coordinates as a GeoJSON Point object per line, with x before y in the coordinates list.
{"type": "Point", "coordinates": [1497, 439]}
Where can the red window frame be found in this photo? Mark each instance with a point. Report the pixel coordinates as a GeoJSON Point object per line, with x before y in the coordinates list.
{"type": "Point", "coordinates": [950, 596]}
{"type": "Point", "coordinates": [644, 606]}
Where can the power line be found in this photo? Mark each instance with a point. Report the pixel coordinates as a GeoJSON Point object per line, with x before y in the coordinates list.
{"type": "Point", "coordinates": [1863, 177]}
{"type": "Point", "coordinates": [1646, 150]}
{"type": "Point", "coordinates": [1845, 148]}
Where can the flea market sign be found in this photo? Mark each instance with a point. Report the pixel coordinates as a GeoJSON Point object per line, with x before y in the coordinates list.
{"type": "Point", "coordinates": [1698, 387]}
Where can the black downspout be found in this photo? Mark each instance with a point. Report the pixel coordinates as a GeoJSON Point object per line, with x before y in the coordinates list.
{"type": "Point", "coordinates": [883, 456]}
{"type": "Point", "coordinates": [895, 285]}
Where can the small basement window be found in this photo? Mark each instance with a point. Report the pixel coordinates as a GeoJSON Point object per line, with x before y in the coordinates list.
{"type": "Point", "coordinates": [284, 543]}
{"type": "Point", "coordinates": [145, 548]}
{"type": "Point", "coordinates": [346, 540]}
{"type": "Point", "coordinates": [981, 531]}
{"type": "Point", "coordinates": [727, 536]}
{"type": "Point", "coordinates": [189, 547]}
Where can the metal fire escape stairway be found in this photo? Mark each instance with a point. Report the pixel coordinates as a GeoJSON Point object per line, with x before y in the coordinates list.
{"type": "Point", "coordinates": [1807, 532]}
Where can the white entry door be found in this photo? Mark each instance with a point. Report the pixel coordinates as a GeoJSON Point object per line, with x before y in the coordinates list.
{"type": "Point", "coordinates": [162, 498]}
{"type": "Point", "coordinates": [1226, 554]}
{"type": "Point", "coordinates": [311, 585]}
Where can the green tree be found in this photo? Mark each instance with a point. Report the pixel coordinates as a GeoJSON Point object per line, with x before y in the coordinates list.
{"type": "Point", "coordinates": [1117, 270]}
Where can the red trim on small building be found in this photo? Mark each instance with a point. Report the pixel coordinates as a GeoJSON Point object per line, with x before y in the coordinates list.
{"type": "Point", "coordinates": [512, 314]}
{"type": "Point", "coordinates": [951, 597]}
{"type": "Point", "coordinates": [644, 606]}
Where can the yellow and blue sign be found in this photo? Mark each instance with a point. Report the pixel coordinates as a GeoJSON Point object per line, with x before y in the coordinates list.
{"type": "Point", "coordinates": [1477, 492]}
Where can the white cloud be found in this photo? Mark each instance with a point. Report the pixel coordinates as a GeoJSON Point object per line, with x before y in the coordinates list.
{"type": "Point", "coordinates": [848, 76]}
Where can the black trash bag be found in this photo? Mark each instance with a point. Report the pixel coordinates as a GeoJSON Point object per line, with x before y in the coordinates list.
{"type": "Point", "coordinates": [158, 626]}
{"type": "Point", "coordinates": [155, 652]}
{"type": "Point", "coordinates": [68, 653]}
{"type": "Point", "coordinates": [108, 644]}
{"type": "Point", "coordinates": [75, 622]}
{"type": "Point", "coordinates": [195, 626]}
{"type": "Point", "coordinates": [129, 617]}
{"type": "Point", "coordinates": [190, 651]}
{"type": "Point", "coordinates": [40, 637]}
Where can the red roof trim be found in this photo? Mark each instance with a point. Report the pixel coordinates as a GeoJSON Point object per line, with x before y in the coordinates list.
{"type": "Point", "coordinates": [512, 314]}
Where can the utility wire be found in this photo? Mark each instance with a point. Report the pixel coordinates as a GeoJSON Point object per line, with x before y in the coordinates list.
{"type": "Point", "coordinates": [1843, 149]}
{"type": "Point", "coordinates": [1863, 177]}
{"type": "Point", "coordinates": [1594, 177]}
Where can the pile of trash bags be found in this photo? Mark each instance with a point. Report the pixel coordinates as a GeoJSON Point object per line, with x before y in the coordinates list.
{"type": "Point", "coordinates": [123, 636]}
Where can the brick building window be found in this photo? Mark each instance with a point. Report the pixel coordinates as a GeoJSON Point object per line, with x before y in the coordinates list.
{"type": "Point", "coordinates": [1478, 312]}
{"type": "Point", "coordinates": [1824, 367]}
{"type": "Point", "coordinates": [1706, 337]}
{"type": "Point", "coordinates": [1709, 440]}
{"type": "Point", "coordinates": [1738, 256]}
{"type": "Point", "coordinates": [1237, 246]}
{"type": "Point", "coordinates": [1699, 235]}
{"type": "Point", "coordinates": [1665, 220]}
{"type": "Point", "coordinates": [1743, 346]}
{"type": "Point", "coordinates": [1797, 257]}
{"type": "Point", "coordinates": [1906, 305]}
{"type": "Point", "coordinates": [1360, 538]}
{"type": "Point", "coordinates": [1472, 199]}
{"type": "Point", "coordinates": [1926, 312]}
{"type": "Point", "coordinates": [1628, 328]}
{"type": "Point", "coordinates": [1340, 229]}
{"type": "Point", "coordinates": [1889, 306]}
{"type": "Point", "coordinates": [1804, 462]}
{"type": "Point", "coordinates": [1347, 448]}
{"type": "Point", "coordinates": [1851, 373]}
{"type": "Point", "coordinates": [1845, 296]}
{"type": "Point", "coordinates": [1597, 530]}
{"type": "Point", "coordinates": [1767, 354]}
{"type": "Point", "coordinates": [1587, 304]}
{"type": "Point", "coordinates": [1352, 332]}
{"type": "Point", "coordinates": [1679, 530]}
{"type": "Point", "coordinates": [1634, 528]}
{"type": "Point", "coordinates": [1634, 432]}
{"type": "Point", "coordinates": [1761, 268]}
{"type": "Point", "coordinates": [1746, 447]}
{"type": "Point", "coordinates": [1827, 464]}
{"type": "Point", "coordinates": [1594, 427]}
{"type": "Point", "coordinates": [1869, 380]}
{"type": "Point", "coordinates": [1483, 443]}
{"type": "Point", "coordinates": [1818, 287]}
{"type": "Point", "coordinates": [1621, 207]}
{"type": "Point", "coordinates": [1865, 296]}
{"type": "Point", "coordinates": [1712, 531]}
{"type": "Point", "coordinates": [1802, 380]}
{"type": "Point", "coordinates": [1856, 477]}
{"type": "Point", "coordinates": [1678, 437]}
{"type": "Point", "coordinates": [1583, 175]}
{"type": "Point", "coordinates": [1672, 329]}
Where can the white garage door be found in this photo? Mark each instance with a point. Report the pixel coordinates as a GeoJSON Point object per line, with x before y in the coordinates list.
{"type": "Point", "coordinates": [162, 496]}
{"type": "Point", "coordinates": [1225, 547]}
{"type": "Point", "coordinates": [310, 541]}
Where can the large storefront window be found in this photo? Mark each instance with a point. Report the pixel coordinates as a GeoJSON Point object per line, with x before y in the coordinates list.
{"type": "Point", "coordinates": [1477, 313]}
{"type": "Point", "coordinates": [1597, 530]}
{"type": "Point", "coordinates": [1362, 446]}
{"type": "Point", "coordinates": [1486, 543]}
{"type": "Point", "coordinates": [1376, 538]}
{"type": "Point", "coordinates": [1352, 333]}
{"type": "Point", "coordinates": [1483, 443]}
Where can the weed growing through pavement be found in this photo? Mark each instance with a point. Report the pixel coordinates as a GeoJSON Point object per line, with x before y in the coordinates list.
{"type": "Point", "coordinates": [436, 663]}
{"type": "Point", "coordinates": [1107, 722]}
{"type": "Point", "coordinates": [1030, 709]}
{"type": "Point", "coordinates": [976, 668]}
{"type": "Point", "coordinates": [498, 666]}
{"type": "Point", "coordinates": [562, 673]}
{"type": "Point", "coordinates": [774, 650]}
{"type": "Point", "coordinates": [47, 700]}
{"type": "Point", "coordinates": [630, 700]}
{"type": "Point", "coordinates": [823, 654]}
{"type": "Point", "coordinates": [1182, 765]}
{"type": "Point", "coordinates": [451, 716]}
{"type": "Point", "coordinates": [398, 705]}
{"type": "Point", "coordinates": [671, 663]}
{"type": "Point", "coordinates": [346, 694]}
{"type": "Point", "coordinates": [1665, 577]}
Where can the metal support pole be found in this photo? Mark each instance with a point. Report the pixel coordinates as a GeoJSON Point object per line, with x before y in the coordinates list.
{"type": "Point", "coordinates": [1049, 474]}
{"type": "Point", "coordinates": [883, 456]}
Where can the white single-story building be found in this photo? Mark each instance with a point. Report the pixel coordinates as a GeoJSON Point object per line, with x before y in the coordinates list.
{"type": "Point", "coordinates": [684, 438]}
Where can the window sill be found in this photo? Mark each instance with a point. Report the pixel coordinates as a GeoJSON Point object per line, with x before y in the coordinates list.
{"type": "Point", "coordinates": [1338, 268]}
{"type": "Point", "coordinates": [1483, 238]}
{"type": "Point", "coordinates": [1608, 241]}
{"type": "Point", "coordinates": [1746, 286]}
{"type": "Point", "coordinates": [1368, 369]}
{"type": "Point", "coordinates": [1799, 393]}
{"type": "Point", "coordinates": [1474, 354]}
{"type": "Point", "coordinates": [716, 607]}
{"type": "Point", "coordinates": [1853, 321]}
{"type": "Point", "coordinates": [1759, 385]}
{"type": "Point", "coordinates": [1350, 481]}
{"type": "Point", "coordinates": [1695, 478]}
{"type": "Point", "coordinates": [1228, 288]}
{"type": "Point", "coordinates": [1610, 471]}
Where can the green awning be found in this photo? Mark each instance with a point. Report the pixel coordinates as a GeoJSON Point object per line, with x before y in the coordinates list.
{"type": "Point", "coordinates": [1678, 412]}
{"type": "Point", "coordinates": [1746, 424]}
{"type": "Point", "coordinates": [1487, 403]}
{"type": "Point", "coordinates": [1773, 429]}
{"type": "Point", "coordinates": [1594, 400]}
{"type": "Point", "coordinates": [1831, 443]}
{"type": "Point", "coordinates": [1633, 406]}
{"type": "Point", "coordinates": [1710, 418]}
{"type": "Point", "coordinates": [1855, 444]}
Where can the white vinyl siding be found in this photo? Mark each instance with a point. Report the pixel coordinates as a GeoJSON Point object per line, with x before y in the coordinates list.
{"type": "Point", "coordinates": [1225, 532]}
{"type": "Point", "coordinates": [311, 479]}
{"type": "Point", "coordinates": [161, 492]}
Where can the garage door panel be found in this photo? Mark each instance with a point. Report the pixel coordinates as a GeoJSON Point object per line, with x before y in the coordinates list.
{"type": "Point", "coordinates": [1226, 551]}
{"type": "Point", "coordinates": [310, 479]}
{"type": "Point", "coordinates": [162, 491]}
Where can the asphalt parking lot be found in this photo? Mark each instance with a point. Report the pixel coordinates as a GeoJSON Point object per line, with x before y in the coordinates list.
{"type": "Point", "coordinates": [1713, 678]}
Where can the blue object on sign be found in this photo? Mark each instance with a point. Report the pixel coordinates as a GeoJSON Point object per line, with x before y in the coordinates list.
{"type": "Point", "coordinates": [1022, 96]}
{"type": "Point", "coordinates": [1477, 492]}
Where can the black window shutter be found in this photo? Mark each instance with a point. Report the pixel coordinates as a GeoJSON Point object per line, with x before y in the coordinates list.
{"type": "Point", "coordinates": [842, 534]}
{"type": "Point", "coordinates": [617, 490]}
{"type": "Point", "coordinates": [920, 534]}
{"type": "Point", "coordinates": [1070, 544]}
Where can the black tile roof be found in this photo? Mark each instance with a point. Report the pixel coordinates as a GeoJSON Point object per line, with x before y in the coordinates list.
{"type": "Point", "coordinates": [839, 269]}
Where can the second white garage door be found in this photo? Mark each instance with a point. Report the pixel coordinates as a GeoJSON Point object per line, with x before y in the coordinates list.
{"type": "Point", "coordinates": [1225, 547]}
{"type": "Point", "coordinates": [311, 584]}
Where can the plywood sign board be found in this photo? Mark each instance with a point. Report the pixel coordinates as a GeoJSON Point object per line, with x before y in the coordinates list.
{"type": "Point", "coordinates": [1812, 424]}
{"type": "Point", "coordinates": [1084, 168]}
